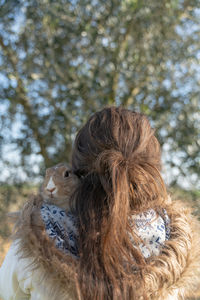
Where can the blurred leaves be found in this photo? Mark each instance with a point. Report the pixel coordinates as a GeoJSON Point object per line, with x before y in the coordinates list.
{"type": "Point", "coordinates": [12, 198]}
{"type": "Point", "coordinates": [62, 60]}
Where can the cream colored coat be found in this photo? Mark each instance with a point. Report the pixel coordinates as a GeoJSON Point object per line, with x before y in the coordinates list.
{"type": "Point", "coordinates": [173, 275]}
{"type": "Point", "coordinates": [18, 281]}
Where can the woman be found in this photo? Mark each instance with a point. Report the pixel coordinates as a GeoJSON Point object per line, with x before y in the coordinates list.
{"type": "Point", "coordinates": [132, 241]}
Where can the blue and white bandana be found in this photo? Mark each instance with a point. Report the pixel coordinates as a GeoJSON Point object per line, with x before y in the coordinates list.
{"type": "Point", "coordinates": [152, 228]}
{"type": "Point", "coordinates": [62, 227]}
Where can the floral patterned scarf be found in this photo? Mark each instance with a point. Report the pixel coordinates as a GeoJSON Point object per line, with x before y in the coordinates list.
{"type": "Point", "coordinates": [152, 228]}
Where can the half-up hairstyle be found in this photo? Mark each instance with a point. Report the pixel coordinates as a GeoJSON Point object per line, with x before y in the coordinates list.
{"type": "Point", "coordinates": [117, 158]}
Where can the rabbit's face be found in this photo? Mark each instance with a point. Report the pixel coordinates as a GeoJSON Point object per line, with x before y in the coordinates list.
{"type": "Point", "coordinates": [59, 184]}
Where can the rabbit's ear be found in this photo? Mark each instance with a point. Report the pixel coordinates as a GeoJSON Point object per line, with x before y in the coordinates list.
{"type": "Point", "coordinates": [48, 170]}
{"type": "Point", "coordinates": [61, 165]}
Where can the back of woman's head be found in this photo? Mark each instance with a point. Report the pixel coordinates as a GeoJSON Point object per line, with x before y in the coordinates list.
{"type": "Point", "coordinates": [118, 158]}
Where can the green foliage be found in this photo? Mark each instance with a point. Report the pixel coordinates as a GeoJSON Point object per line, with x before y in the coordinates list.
{"type": "Point", "coordinates": [12, 198]}
{"type": "Point", "coordinates": [62, 60]}
{"type": "Point", "coordinates": [191, 197]}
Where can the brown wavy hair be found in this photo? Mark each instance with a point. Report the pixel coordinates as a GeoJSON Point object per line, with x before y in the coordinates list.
{"type": "Point", "coordinates": [117, 157]}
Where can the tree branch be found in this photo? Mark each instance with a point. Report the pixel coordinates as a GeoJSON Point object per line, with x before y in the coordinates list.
{"type": "Point", "coordinates": [25, 102]}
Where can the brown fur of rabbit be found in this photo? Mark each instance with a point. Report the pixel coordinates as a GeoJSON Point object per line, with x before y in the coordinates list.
{"type": "Point", "coordinates": [57, 188]}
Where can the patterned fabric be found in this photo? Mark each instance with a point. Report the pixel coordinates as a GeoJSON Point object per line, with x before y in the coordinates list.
{"type": "Point", "coordinates": [62, 227]}
{"type": "Point", "coordinates": [153, 229]}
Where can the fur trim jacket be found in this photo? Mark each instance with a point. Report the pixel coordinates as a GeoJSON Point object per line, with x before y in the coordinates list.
{"type": "Point", "coordinates": [35, 269]}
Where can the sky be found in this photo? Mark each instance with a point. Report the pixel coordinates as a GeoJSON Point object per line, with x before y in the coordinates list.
{"type": "Point", "coordinates": [12, 155]}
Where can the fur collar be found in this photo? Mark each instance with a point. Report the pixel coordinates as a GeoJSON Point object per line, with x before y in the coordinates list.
{"type": "Point", "coordinates": [176, 271]}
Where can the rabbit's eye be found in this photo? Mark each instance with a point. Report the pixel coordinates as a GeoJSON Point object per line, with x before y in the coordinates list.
{"type": "Point", "coordinates": [66, 174]}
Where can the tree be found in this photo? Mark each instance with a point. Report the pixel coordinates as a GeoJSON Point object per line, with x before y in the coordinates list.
{"type": "Point", "coordinates": [62, 60]}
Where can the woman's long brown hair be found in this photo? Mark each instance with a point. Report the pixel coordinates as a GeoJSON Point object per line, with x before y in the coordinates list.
{"type": "Point", "coordinates": [117, 157]}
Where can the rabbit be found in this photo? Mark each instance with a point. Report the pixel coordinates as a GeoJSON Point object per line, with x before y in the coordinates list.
{"type": "Point", "coordinates": [58, 186]}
